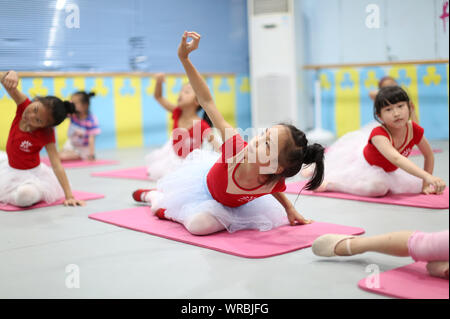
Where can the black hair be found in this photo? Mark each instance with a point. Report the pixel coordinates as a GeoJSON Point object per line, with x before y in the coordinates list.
{"type": "Point", "coordinates": [59, 109]}
{"type": "Point", "coordinates": [85, 97]}
{"type": "Point", "coordinates": [387, 96]}
{"type": "Point", "coordinates": [205, 116]}
{"type": "Point", "coordinates": [298, 153]}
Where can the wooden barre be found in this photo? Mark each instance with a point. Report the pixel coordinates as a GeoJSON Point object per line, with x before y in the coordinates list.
{"type": "Point", "coordinates": [335, 66]}
{"type": "Point", "coordinates": [29, 74]}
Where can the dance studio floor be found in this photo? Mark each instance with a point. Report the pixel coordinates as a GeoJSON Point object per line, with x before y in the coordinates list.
{"type": "Point", "coordinates": [36, 247]}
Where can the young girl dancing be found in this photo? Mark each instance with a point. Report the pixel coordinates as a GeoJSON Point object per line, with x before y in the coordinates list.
{"type": "Point", "coordinates": [82, 130]}
{"type": "Point", "coordinates": [189, 131]}
{"type": "Point", "coordinates": [429, 247]}
{"type": "Point", "coordinates": [367, 163]}
{"type": "Point", "coordinates": [24, 180]}
{"type": "Point", "coordinates": [211, 192]}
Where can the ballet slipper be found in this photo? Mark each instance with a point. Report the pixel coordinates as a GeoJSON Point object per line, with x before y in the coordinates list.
{"type": "Point", "coordinates": [325, 245]}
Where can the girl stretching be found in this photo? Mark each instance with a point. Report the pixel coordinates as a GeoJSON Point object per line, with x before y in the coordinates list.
{"type": "Point", "coordinates": [374, 163]}
{"type": "Point", "coordinates": [211, 192]}
{"type": "Point", "coordinates": [24, 179]}
{"type": "Point", "coordinates": [189, 131]}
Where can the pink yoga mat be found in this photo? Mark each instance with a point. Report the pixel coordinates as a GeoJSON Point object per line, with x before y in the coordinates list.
{"type": "Point", "coordinates": [139, 173]}
{"type": "Point", "coordinates": [414, 200]}
{"type": "Point", "coordinates": [244, 243]}
{"type": "Point", "coordinates": [80, 163]}
{"type": "Point", "coordinates": [78, 195]}
{"type": "Point", "coordinates": [408, 282]}
{"type": "Point", "coordinates": [416, 152]}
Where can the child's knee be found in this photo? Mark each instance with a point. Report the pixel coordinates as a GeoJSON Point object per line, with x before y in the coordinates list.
{"type": "Point", "coordinates": [376, 189]}
{"type": "Point", "coordinates": [202, 224]}
{"type": "Point", "coordinates": [26, 195]}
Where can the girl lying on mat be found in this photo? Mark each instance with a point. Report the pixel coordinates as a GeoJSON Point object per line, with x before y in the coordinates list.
{"type": "Point", "coordinates": [366, 162]}
{"type": "Point", "coordinates": [24, 179]}
{"type": "Point", "coordinates": [429, 247]}
{"type": "Point", "coordinates": [211, 192]}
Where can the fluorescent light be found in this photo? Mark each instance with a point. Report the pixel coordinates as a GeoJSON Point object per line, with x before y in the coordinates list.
{"type": "Point", "coordinates": [60, 4]}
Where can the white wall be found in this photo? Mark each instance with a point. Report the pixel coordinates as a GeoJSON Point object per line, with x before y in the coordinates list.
{"type": "Point", "coordinates": [409, 30]}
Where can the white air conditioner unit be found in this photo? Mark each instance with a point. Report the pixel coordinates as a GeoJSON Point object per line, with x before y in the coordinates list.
{"type": "Point", "coordinates": [273, 69]}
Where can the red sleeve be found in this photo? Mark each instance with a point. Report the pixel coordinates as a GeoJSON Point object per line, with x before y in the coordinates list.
{"type": "Point", "coordinates": [51, 136]}
{"type": "Point", "coordinates": [280, 187]}
{"type": "Point", "coordinates": [176, 114]}
{"type": "Point", "coordinates": [417, 132]}
{"type": "Point", "coordinates": [232, 146]}
{"type": "Point", "coordinates": [379, 130]}
{"type": "Point", "coordinates": [22, 106]}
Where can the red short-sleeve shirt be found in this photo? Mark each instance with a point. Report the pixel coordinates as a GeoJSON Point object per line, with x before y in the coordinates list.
{"type": "Point", "coordinates": [222, 183]}
{"type": "Point", "coordinates": [185, 142]}
{"type": "Point", "coordinates": [23, 147]}
{"type": "Point", "coordinates": [413, 137]}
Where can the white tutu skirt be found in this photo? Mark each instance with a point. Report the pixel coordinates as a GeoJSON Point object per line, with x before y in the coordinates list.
{"type": "Point", "coordinates": [185, 193]}
{"type": "Point", "coordinates": [347, 169]}
{"type": "Point", "coordinates": [164, 160]}
{"type": "Point", "coordinates": [42, 177]}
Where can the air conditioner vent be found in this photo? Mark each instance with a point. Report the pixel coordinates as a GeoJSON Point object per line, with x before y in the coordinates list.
{"type": "Point", "coordinates": [270, 6]}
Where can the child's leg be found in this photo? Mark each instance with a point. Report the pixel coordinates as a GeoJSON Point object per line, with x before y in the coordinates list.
{"type": "Point", "coordinates": [361, 188]}
{"type": "Point", "coordinates": [26, 195]}
{"type": "Point", "coordinates": [429, 246]}
{"type": "Point", "coordinates": [395, 244]}
{"type": "Point", "coordinates": [153, 198]}
{"type": "Point", "coordinates": [203, 224]}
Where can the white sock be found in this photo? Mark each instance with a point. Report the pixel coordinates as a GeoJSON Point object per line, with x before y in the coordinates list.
{"type": "Point", "coordinates": [153, 198]}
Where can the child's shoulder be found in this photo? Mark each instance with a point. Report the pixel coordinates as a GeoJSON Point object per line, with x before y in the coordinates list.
{"type": "Point", "coordinates": [380, 130]}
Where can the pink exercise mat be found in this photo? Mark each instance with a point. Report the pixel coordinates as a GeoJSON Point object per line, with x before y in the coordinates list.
{"type": "Point", "coordinates": [78, 195]}
{"type": "Point", "coordinates": [414, 152]}
{"type": "Point", "coordinates": [414, 200]}
{"type": "Point", "coordinates": [80, 163]}
{"type": "Point", "coordinates": [417, 152]}
{"type": "Point", "coordinates": [139, 173]}
{"type": "Point", "coordinates": [408, 282]}
{"type": "Point", "coordinates": [244, 243]}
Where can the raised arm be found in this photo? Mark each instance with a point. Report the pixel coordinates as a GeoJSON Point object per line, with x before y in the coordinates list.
{"type": "Point", "coordinates": [200, 87]}
{"type": "Point", "coordinates": [10, 81]}
{"type": "Point", "coordinates": [159, 96]}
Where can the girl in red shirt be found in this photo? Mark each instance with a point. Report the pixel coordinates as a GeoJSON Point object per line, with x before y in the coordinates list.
{"type": "Point", "coordinates": [367, 163]}
{"type": "Point", "coordinates": [211, 192]}
{"type": "Point", "coordinates": [24, 180]}
{"type": "Point", "coordinates": [189, 131]}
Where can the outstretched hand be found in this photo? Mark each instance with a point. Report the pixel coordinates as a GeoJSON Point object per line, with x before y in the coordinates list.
{"type": "Point", "coordinates": [187, 47]}
{"type": "Point", "coordinates": [295, 218]}
{"type": "Point", "coordinates": [74, 202]}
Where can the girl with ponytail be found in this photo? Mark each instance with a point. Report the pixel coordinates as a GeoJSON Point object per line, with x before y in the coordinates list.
{"type": "Point", "coordinates": [82, 131]}
{"type": "Point", "coordinates": [241, 188]}
{"type": "Point", "coordinates": [190, 131]}
{"type": "Point", "coordinates": [24, 180]}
